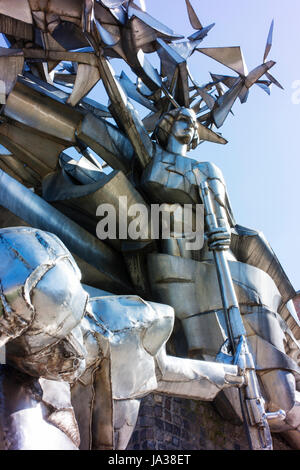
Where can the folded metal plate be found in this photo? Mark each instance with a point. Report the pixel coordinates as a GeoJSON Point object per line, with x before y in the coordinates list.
{"type": "Point", "coordinates": [38, 213]}
{"type": "Point", "coordinates": [28, 106]}
{"type": "Point", "coordinates": [133, 93]}
{"type": "Point", "coordinates": [112, 3]}
{"type": "Point", "coordinates": [124, 113]}
{"type": "Point", "coordinates": [269, 357]}
{"type": "Point", "coordinates": [194, 20]}
{"type": "Point", "coordinates": [264, 87]}
{"type": "Point", "coordinates": [232, 57]}
{"type": "Point", "coordinates": [11, 65]}
{"type": "Point", "coordinates": [96, 108]}
{"type": "Point", "coordinates": [87, 197]}
{"type": "Point", "coordinates": [86, 78]}
{"type": "Point", "coordinates": [67, 8]}
{"type": "Point", "coordinates": [256, 73]}
{"type": "Point", "coordinates": [153, 23]}
{"type": "Point", "coordinates": [175, 68]}
{"type": "Point", "coordinates": [12, 173]}
{"type": "Point", "coordinates": [20, 171]}
{"type": "Point", "coordinates": [150, 121]}
{"type": "Point", "coordinates": [251, 246]}
{"type": "Point", "coordinates": [143, 36]}
{"type": "Point", "coordinates": [107, 141]}
{"type": "Point", "coordinates": [201, 34]}
{"type": "Point", "coordinates": [58, 56]}
{"type": "Point", "coordinates": [43, 87]}
{"type": "Point", "coordinates": [31, 148]}
{"type": "Point", "coordinates": [69, 36]}
{"type": "Point", "coordinates": [226, 79]}
{"type": "Point", "coordinates": [186, 48]}
{"type": "Point", "coordinates": [107, 38]}
{"type": "Point", "coordinates": [119, 14]}
{"type": "Point", "coordinates": [17, 9]}
{"type": "Point", "coordinates": [13, 27]}
{"type": "Point", "coordinates": [81, 170]}
{"type": "Point", "coordinates": [207, 98]}
{"type": "Point", "coordinates": [269, 42]}
{"type": "Point", "coordinates": [273, 80]}
{"type": "Point", "coordinates": [107, 15]}
{"type": "Point", "coordinates": [243, 96]}
{"type": "Point", "coordinates": [225, 103]}
{"type": "Point", "coordinates": [207, 134]}
{"type": "Point", "coordinates": [65, 79]}
{"type": "Point", "coordinates": [148, 68]}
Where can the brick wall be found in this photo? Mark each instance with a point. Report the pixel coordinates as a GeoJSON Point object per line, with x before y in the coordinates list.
{"type": "Point", "coordinates": [167, 423]}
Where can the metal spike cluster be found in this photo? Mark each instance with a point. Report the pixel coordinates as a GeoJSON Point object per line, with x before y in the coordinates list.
{"type": "Point", "coordinates": [61, 47]}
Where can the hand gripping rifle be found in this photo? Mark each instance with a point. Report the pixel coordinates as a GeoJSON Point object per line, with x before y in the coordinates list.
{"type": "Point", "coordinates": [252, 402]}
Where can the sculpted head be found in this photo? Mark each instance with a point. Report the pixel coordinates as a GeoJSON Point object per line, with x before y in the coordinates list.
{"type": "Point", "coordinates": [179, 124]}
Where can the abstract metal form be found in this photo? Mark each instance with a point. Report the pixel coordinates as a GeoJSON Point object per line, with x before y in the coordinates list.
{"type": "Point", "coordinates": [103, 328]}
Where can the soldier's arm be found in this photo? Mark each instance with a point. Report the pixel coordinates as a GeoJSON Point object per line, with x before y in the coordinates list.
{"type": "Point", "coordinates": [192, 378]}
{"type": "Point", "coordinates": [219, 238]}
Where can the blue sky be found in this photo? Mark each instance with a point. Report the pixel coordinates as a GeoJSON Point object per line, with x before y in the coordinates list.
{"type": "Point", "coordinates": [261, 161]}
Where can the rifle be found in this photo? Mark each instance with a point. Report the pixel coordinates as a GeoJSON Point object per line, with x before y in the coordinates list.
{"type": "Point", "coordinates": [252, 403]}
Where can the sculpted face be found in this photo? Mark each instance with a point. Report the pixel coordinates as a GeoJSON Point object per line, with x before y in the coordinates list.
{"type": "Point", "coordinates": [184, 127]}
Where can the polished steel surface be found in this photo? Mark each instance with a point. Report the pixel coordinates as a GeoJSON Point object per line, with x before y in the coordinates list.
{"type": "Point", "coordinates": [112, 349]}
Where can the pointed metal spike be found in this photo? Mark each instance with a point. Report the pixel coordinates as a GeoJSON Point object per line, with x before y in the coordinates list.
{"type": "Point", "coordinates": [194, 20]}
{"type": "Point", "coordinates": [149, 70]}
{"type": "Point", "coordinates": [86, 79]}
{"type": "Point", "coordinates": [258, 72]}
{"type": "Point", "coordinates": [269, 41]}
{"type": "Point", "coordinates": [232, 57]}
{"type": "Point", "coordinates": [150, 121]}
{"type": "Point", "coordinates": [201, 34]}
{"type": "Point", "coordinates": [225, 103]}
{"type": "Point", "coordinates": [264, 87]}
{"type": "Point", "coordinates": [170, 52]}
{"type": "Point", "coordinates": [207, 134]}
{"type": "Point", "coordinates": [201, 90]}
{"type": "Point", "coordinates": [243, 96]}
{"type": "Point", "coordinates": [133, 10]}
{"type": "Point", "coordinates": [175, 67]}
{"type": "Point", "coordinates": [207, 98]}
{"type": "Point", "coordinates": [185, 49]}
{"type": "Point", "coordinates": [154, 76]}
{"type": "Point", "coordinates": [226, 79]}
{"type": "Point", "coordinates": [273, 80]}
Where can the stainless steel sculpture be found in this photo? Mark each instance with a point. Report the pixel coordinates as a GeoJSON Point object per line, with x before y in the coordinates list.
{"type": "Point", "coordinates": [114, 345]}
{"type": "Point", "coordinates": [144, 160]}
